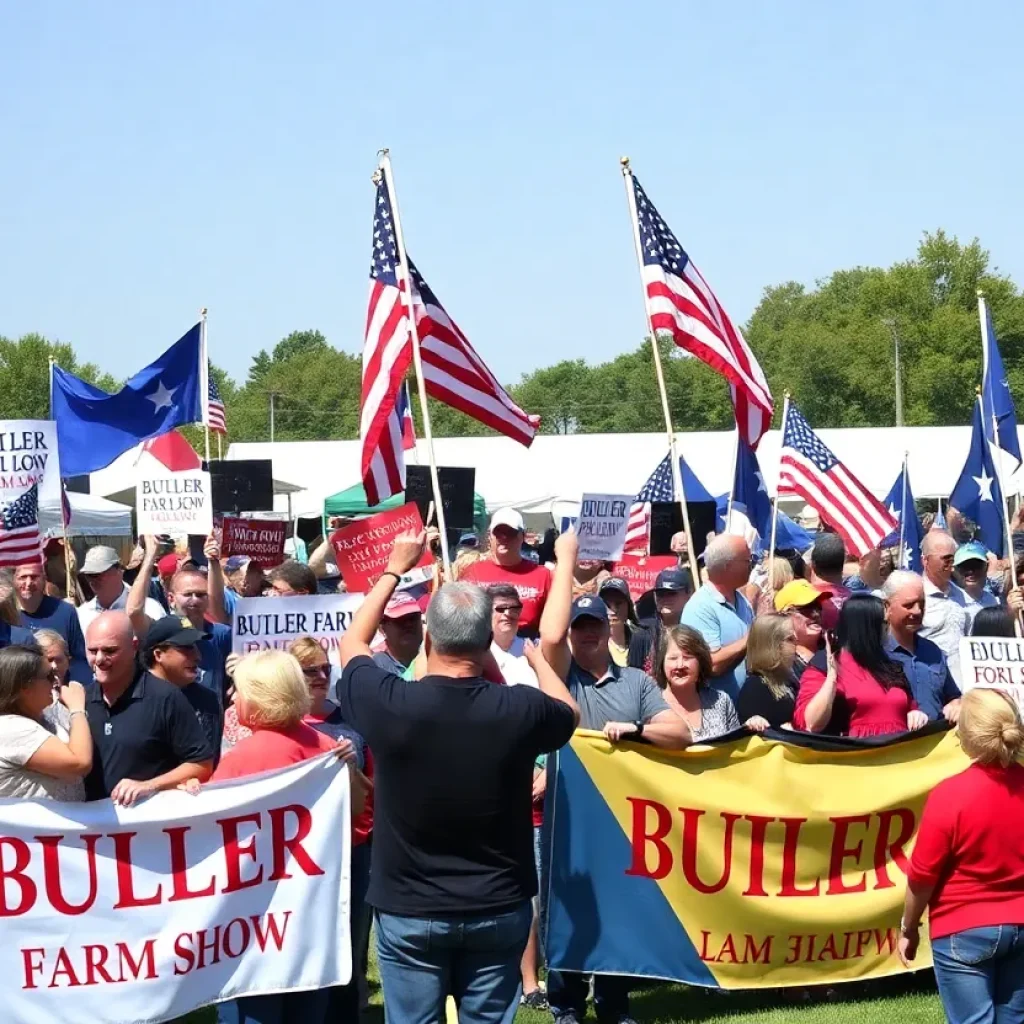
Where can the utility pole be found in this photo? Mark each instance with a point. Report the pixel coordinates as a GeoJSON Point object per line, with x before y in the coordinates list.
{"type": "Point", "coordinates": [891, 324]}
{"type": "Point", "coordinates": [273, 395]}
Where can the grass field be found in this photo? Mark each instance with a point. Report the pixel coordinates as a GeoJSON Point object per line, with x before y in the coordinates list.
{"type": "Point", "coordinates": [906, 1000]}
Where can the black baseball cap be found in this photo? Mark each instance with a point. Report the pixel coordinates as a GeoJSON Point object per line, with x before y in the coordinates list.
{"type": "Point", "coordinates": [617, 584]}
{"type": "Point", "coordinates": [588, 607]}
{"type": "Point", "coordinates": [674, 580]}
{"type": "Point", "coordinates": [173, 632]}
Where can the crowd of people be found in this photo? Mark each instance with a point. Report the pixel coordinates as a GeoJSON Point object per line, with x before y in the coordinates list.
{"type": "Point", "coordinates": [446, 705]}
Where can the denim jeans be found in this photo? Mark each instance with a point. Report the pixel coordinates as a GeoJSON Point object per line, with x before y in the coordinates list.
{"type": "Point", "coordinates": [980, 973]}
{"type": "Point", "coordinates": [567, 993]}
{"type": "Point", "coordinates": [475, 959]}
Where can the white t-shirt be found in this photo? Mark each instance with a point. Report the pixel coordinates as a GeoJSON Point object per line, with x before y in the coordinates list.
{"type": "Point", "coordinates": [515, 669]}
{"type": "Point", "coordinates": [20, 738]}
{"type": "Point", "coordinates": [88, 611]}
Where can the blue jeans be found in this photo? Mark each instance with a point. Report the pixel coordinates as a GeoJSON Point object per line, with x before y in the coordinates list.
{"type": "Point", "coordinates": [423, 960]}
{"type": "Point", "coordinates": [980, 973]}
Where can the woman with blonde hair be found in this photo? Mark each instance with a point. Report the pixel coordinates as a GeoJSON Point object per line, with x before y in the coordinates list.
{"type": "Point", "coordinates": [967, 868]}
{"type": "Point", "coordinates": [769, 692]}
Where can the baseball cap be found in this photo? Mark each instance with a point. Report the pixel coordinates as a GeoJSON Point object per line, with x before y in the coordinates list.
{"type": "Point", "coordinates": [237, 563]}
{"type": "Point", "coordinates": [617, 584]}
{"type": "Point", "coordinates": [588, 607]}
{"type": "Point", "coordinates": [799, 594]}
{"type": "Point", "coordinates": [401, 605]}
{"type": "Point", "coordinates": [172, 631]}
{"type": "Point", "coordinates": [99, 559]}
{"type": "Point", "coordinates": [469, 540]}
{"type": "Point", "coordinates": [674, 580]}
{"type": "Point", "coordinates": [168, 565]}
{"type": "Point", "coordinates": [972, 551]}
{"type": "Point", "coordinates": [509, 517]}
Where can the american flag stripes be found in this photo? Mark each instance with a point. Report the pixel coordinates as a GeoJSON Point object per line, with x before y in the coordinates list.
{"type": "Point", "coordinates": [681, 304]}
{"type": "Point", "coordinates": [638, 529]}
{"type": "Point", "coordinates": [387, 352]}
{"type": "Point", "coordinates": [808, 469]}
{"type": "Point", "coordinates": [215, 418]}
{"type": "Point", "coordinates": [20, 540]}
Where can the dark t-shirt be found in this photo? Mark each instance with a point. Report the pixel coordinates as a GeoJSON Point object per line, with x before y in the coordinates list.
{"type": "Point", "coordinates": [757, 699]}
{"type": "Point", "coordinates": [209, 713]}
{"type": "Point", "coordinates": [62, 618]}
{"type": "Point", "coordinates": [453, 774]}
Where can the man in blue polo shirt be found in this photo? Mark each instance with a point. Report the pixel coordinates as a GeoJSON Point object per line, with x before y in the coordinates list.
{"type": "Point", "coordinates": [721, 614]}
{"type": "Point", "coordinates": [924, 664]}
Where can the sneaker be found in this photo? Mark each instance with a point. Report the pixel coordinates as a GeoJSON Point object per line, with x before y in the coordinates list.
{"type": "Point", "coordinates": [566, 1018]}
{"type": "Point", "coordinates": [537, 1000]}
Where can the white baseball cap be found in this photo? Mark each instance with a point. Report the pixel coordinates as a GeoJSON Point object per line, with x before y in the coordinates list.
{"type": "Point", "coordinates": [509, 517]}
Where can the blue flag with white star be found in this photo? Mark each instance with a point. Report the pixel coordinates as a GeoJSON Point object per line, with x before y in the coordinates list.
{"type": "Point", "coordinates": [900, 503]}
{"type": "Point", "coordinates": [94, 428]}
{"type": "Point", "coordinates": [1000, 417]}
{"type": "Point", "coordinates": [977, 494]}
{"type": "Point", "coordinates": [751, 505]}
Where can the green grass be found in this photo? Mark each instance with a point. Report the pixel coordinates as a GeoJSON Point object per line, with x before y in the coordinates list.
{"type": "Point", "coordinates": [909, 999]}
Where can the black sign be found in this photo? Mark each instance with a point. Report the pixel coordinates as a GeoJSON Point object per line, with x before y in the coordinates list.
{"type": "Point", "coordinates": [457, 485]}
{"type": "Point", "coordinates": [667, 519]}
{"type": "Point", "coordinates": [242, 485]}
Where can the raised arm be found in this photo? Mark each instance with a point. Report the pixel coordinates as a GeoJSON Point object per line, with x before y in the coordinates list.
{"type": "Point", "coordinates": [549, 680]}
{"type": "Point", "coordinates": [135, 607]}
{"type": "Point", "coordinates": [319, 558]}
{"type": "Point", "coordinates": [554, 621]}
{"type": "Point", "coordinates": [406, 552]}
{"type": "Point", "coordinates": [217, 611]}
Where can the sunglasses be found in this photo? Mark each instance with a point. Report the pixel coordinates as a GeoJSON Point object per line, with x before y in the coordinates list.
{"type": "Point", "coordinates": [317, 672]}
{"type": "Point", "coordinates": [511, 610]}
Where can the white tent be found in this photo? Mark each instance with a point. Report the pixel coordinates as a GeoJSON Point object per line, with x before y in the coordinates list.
{"type": "Point", "coordinates": [564, 466]}
{"type": "Point", "coordinates": [91, 516]}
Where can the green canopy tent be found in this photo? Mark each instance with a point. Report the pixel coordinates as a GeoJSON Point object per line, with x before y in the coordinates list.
{"type": "Point", "coordinates": [352, 502]}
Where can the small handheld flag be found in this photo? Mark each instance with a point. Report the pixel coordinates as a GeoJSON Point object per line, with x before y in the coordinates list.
{"type": "Point", "coordinates": [907, 536]}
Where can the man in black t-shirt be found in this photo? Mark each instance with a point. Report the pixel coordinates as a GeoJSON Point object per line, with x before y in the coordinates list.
{"type": "Point", "coordinates": [452, 872]}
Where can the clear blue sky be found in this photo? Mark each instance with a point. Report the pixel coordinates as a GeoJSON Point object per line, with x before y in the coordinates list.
{"type": "Point", "coordinates": [160, 156]}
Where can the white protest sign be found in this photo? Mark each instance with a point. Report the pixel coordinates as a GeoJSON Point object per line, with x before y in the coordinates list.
{"type": "Point", "coordinates": [174, 503]}
{"type": "Point", "coordinates": [263, 622]}
{"type": "Point", "coordinates": [148, 912]}
{"type": "Point", "coordinates": [28, 455]}
{"type": "Point", "coordinates": [601, 526]}
{"type": "Point", "coordinates": [994, 663]}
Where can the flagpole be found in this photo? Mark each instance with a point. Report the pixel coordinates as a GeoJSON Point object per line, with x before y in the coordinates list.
{"type": "Point", "coordinates": [775, 500]}
{"type": "Point", "coordinates": [732, 486]}
{"type": "Point", "coordinates": [204, 382]}
{"type": "Point", "coordinates": [903, 512]}
{"type": "Point", "coordinates": [421, 387]}
{"type": "Point", "coordinates": [68, 580]}
{"type": "Point", "coordinates": [677, 476]}
{"type": "Point", "coordinates": [1008, 539]}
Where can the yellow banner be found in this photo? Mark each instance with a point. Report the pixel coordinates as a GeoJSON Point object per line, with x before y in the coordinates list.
{"type": "Point", "coordinates": [754, 863]}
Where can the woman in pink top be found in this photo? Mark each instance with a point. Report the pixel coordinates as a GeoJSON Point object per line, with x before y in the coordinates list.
{"type": "Point", "coordinates": [858, 691]}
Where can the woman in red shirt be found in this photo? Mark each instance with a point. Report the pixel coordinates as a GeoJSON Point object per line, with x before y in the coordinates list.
{"type": "Point", "coordinates": [272, 698]}
{"type": "Point", "coordinates": [967, 868]}
{"type": "Point", "coordinates": [859, 691]}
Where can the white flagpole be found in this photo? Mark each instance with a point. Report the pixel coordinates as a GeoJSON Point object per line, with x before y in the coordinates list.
{"type": "Point", "coordinates": [219, 453]}
{"type": "Point", "coordinates": [204, 382]}
{"type": "Point", "coordinates": [403, 266]}
{"type": "Point", "coordinates": [732, 485]}
{"type": "Point", "coordinates": [775, 500]}
{"type": "Point", "coordinates": [903, 512]}
{"type": "Point", "coordinates": [677, 476]}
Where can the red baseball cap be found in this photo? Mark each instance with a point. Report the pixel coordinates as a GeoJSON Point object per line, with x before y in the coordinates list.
{"type": "Point", "coordinates": [401, 605]}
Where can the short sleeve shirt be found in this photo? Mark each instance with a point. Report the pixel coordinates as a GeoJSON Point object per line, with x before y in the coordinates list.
{"type": "Point", "coordinates": [721, 623]}
{"type": "Point", "coordinates": [946, 622]}
{"type": "Point", "coordinates": [620, 695]}
{"type": "Point", "coordinates": [20, 739]}
{"type": "Point", "coordinates": [532, 583]}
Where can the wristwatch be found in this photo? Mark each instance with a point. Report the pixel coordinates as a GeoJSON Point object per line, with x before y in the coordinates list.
{"type": "Point", "coordinates": [639, 728]}
{"type": "Point", "coordinates": [906, 929]}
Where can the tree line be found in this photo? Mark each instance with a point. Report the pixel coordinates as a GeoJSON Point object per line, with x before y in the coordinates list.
{"type": "Point", "coordinates": [832, 346]}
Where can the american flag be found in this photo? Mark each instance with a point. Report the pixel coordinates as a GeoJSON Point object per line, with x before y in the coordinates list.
{"type": "Point", "coordinates": [682, 305]}
{"type": "Point", "coordinates": [808, 469]}
{"type": "Point", "coordinates": [659, 486]}
{"type": "Point", "coordinates": [456, 375]}
{"type": "Point", "coordinates": [20, 541]}
{"type": "Point", "coordinates": [638, 529]}
{"type": "Point", "coordinates": [215, 419]}
{"type": "Point", "coordinates": [387, 352]}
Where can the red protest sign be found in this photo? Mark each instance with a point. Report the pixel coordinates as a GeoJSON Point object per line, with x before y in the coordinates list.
{"type": "Point", "coordinates": [262, 540]}
{"type": "Point", "coordinates": [640, 571]}
{"type": "Point", "coordinates": [362, 549]}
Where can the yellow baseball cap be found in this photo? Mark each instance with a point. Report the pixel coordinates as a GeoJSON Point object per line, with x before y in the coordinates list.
{"type": "Point", "coordinates": [799, 594]}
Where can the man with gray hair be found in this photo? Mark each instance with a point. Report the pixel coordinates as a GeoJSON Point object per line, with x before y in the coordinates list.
{"type": "Point", "coordinates": [452, 875]}
{"type": "Point", "coordinates": [721, 614]}
{"type": "Point", "coordinates": [924, 664]}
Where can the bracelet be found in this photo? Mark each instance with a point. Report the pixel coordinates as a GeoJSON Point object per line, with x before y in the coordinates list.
{"type": "Point", "coordinates": [906, 929]}
{"type": "Point", "coordinates": [388, 572]}
{"type": "Point", "coordinates": [71, 714]}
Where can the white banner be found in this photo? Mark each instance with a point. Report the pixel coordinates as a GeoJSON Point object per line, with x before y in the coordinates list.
{"type": "Point", "coordinates": [262, 622]}
{"type": "Point", "coordinates": [28, 455]}
{"type": "Point", "coordinates": [601, 526]}
{"type": "Point", "coordinates": [174, 503]}
{"type": "Point", "coordinates": [994, 663]}
{"type": "Point", "coordinates": [145, 913]}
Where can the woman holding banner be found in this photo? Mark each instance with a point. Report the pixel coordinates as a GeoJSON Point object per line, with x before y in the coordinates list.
{"type": "Point", "coordinates": [967, 868]}
{"type": "Point", "coordinates": [859, 691]}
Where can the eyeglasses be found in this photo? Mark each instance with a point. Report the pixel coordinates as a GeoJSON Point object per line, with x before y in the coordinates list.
{"type": "Point", "coordinates": [317, 671]}
{"type": "Point", "coordinates": [513, 611]}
